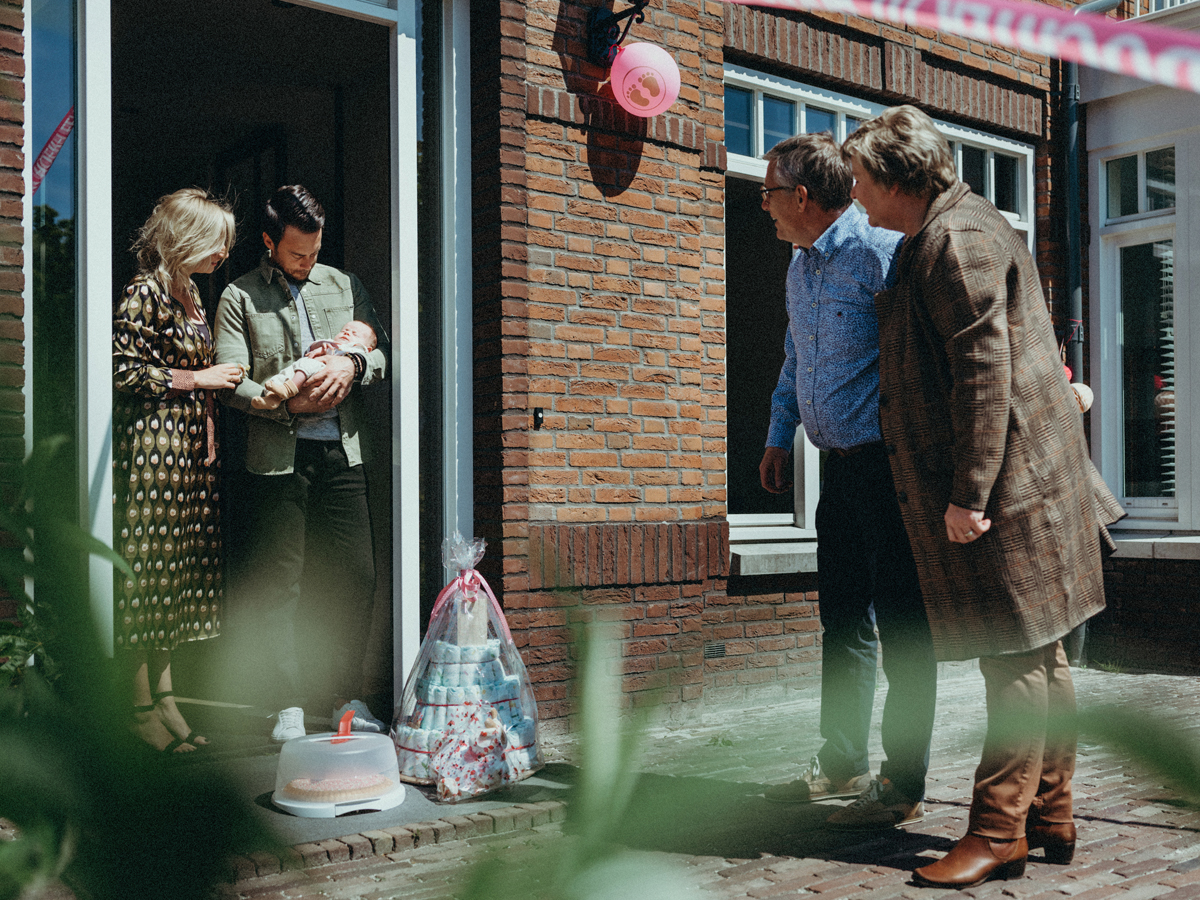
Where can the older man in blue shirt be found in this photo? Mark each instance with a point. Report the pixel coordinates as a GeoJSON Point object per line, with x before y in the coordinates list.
{"type": "Point", "coordinates": [867, 577]}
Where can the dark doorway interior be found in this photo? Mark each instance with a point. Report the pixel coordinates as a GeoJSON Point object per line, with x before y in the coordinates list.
{"type": "Point", "coordinates": [756, 263]}
{"type": "Point", "coordinates": [240, 96]}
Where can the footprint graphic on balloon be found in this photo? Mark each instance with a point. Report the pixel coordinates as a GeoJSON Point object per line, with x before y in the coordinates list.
{"type": "Point", "coordinates": [650, 83]}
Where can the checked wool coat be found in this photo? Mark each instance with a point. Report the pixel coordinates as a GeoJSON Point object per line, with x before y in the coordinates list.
{"type": "Point", "coordinates": [976, 410]}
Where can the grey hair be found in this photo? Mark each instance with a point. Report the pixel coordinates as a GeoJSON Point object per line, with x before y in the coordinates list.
{"type": "Point", "coordinates": [814, 162]}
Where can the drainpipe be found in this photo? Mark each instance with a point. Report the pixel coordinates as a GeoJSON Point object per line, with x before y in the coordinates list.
{"type": "Point", "coordinates": [1074, 226]}
{"type": "Point", "coordinates": [1073, 643]}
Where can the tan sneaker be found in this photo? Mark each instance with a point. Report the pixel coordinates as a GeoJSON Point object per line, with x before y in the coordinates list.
{"type": "Point", "coordinates": [879, 806]}
{"type": "Point", "coordinates": [816, 785]}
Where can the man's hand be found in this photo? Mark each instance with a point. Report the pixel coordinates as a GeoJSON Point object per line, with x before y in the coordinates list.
{"type": "Point", "coordinates": [326, 389]}
{"type": "Point", "coordinates": [965, 525]}
{"type": "Point", "coordinates": [773, 470]}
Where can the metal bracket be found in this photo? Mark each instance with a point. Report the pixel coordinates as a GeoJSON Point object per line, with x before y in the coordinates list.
{"type": "Point", "coordinates": [604, 34]}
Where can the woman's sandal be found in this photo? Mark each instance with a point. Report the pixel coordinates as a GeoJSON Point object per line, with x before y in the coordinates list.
{"type": "Point", "coordinates": [197, 740]}
{"type": "Point", "coordinates": [172, 747]}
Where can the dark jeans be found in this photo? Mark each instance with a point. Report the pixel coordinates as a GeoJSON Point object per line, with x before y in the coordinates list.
{"type": "Point", "coordinates": [311, 575]}
{"type": "Point", "coordinates": [867, 577]}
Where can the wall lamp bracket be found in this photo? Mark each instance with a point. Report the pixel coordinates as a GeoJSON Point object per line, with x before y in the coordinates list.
{"type": "Point", "coordinates": [604, 34]}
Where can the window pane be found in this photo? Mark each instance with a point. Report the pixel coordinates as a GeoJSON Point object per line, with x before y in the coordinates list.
{"type": "Point", "coordinates": [779, 121]}
{"type": "Point", "coordinates": [1122, 186]}
{"type": "Point", "coordinates": [1148, 368]}
{"type": "Point", "coordinates": [738, 119]}
{"type": "Point", "coordinates": [818, 120]}
{"type": "Point", "coordinates": [1008, 197]}
{"type": "Point", "coordinates": [852, 125]}
{"type": "Point", "coordinates": [54, 247]}
{"type": "Point", "coordinates": [974, 169]}
{"type": "Point", "coordinates": [1160, 179]}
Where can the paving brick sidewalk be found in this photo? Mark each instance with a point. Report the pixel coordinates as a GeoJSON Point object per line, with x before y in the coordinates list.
{"type": "Point", "coordinates": [708, 818]}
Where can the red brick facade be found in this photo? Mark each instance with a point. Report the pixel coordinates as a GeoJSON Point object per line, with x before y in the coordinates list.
{"type": "Point", "coordinates": [12, 255]}
{"type": "Point", "coordinates": [599, 296]}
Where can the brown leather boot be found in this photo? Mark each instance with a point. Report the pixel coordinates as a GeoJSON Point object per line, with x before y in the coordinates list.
{"type": "Point", "coordinates": [1057, 840]}
{"type": "Point", "coordinates": [973, 861]}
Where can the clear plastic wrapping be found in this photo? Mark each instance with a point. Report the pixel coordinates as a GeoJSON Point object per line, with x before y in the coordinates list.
{"type": "Point", "coordinates": [467, 720]}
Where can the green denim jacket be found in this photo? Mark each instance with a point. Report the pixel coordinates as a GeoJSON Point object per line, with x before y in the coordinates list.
{"type": "Point", "coordinates": [258, 326]}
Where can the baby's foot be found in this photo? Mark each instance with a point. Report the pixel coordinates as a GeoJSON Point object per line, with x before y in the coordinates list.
{"type": "Point", "coordinates": [266, 400]}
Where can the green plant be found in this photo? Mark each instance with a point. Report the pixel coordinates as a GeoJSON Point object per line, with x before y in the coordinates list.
{"type": "Point", "coordinates": [594, 864]}
{"type": "Point", "coordinates": [92, 804]}
{"type": "Point", "coordinates": [27, 525]}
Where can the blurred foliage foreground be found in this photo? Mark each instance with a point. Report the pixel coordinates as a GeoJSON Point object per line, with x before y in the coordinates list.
{"type": "Point", "coordinates": [93, 805]}
{"type": "Point", "coordinates": [110, 818]}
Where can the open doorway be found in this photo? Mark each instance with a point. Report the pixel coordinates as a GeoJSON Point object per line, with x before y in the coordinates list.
{"type": "Point", "coordinates": [241, 96]}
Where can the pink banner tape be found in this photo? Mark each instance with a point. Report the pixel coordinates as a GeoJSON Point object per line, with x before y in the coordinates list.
{"type": "Point", "coordinates": [1125, 46]}
{"type": "Point", "coordinates": [49, 153]}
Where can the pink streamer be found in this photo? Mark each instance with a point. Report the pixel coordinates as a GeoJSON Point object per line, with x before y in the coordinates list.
{"type": "Point", "coordinates": [49, 153]}
{"type": "Point", "coordinates": [1127, 47]}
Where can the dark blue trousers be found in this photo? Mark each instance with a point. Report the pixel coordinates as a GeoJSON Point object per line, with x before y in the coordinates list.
{"type": "Point", "coordinates": [867, 579]}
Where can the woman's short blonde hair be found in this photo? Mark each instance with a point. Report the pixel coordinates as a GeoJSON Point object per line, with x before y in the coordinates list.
{"type": "Point", "coordinates": [185, 228]}
{"type": "Point", "coordinates": [901, 146]}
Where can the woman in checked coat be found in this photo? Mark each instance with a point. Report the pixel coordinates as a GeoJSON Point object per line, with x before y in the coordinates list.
{"type": "Point", "coordinates": [1004, 510]}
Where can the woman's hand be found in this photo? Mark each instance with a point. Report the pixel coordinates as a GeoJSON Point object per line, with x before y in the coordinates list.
{"type": "Point", "coordinates": [225, 375]}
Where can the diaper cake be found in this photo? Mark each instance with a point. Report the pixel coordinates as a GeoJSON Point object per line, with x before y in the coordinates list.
{"type": "Point", "coordinates": [467, 720]}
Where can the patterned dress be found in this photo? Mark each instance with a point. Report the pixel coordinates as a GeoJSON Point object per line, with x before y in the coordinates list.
{"type": "Point", "coordinates": [165, 474]}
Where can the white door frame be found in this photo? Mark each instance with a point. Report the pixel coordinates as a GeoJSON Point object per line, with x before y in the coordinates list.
{"type": "Point", "coordinates": [94, 222]}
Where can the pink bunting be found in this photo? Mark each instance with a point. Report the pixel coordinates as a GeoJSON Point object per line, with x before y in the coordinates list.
{"type": "Point", "coordinates": [1127, 47]}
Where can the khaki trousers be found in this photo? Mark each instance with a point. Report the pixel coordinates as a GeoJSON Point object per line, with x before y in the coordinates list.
{"type": "Point", "coordinates": [1029, 753]}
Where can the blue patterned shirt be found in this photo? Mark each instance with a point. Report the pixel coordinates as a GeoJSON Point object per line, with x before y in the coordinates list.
{"type": "Point", "coordinates": [830, 375]}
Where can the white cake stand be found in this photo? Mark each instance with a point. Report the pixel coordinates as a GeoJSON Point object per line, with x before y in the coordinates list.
{"type": "Point", "coordinates": [327, 810]}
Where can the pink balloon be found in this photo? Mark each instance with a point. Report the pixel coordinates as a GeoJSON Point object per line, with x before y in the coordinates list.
{"type": "Point", "coordinates": [644, 79]}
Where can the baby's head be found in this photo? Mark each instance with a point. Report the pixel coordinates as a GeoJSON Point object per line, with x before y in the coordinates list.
{"type": "Point", "coordinates": [357, 332]}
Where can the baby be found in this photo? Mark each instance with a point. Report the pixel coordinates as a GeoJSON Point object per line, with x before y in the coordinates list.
{"type": "Point", "coordinates": [357, 337]}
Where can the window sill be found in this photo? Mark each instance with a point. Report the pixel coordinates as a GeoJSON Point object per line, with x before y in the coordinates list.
{"type": "Point", "coordinates": [771, 550]}
{"type": "Point", "coordinates": [1156, 545]}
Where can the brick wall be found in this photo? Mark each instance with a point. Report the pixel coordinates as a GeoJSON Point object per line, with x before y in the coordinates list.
{"type": "Point", "coordinates": [599, 301]}
{"type": "Point", "coordinates": [12, 280]}
{"type": "Point", "coordinates": [1152, 621]}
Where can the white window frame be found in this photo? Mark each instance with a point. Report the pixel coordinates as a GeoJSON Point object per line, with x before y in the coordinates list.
{"type": "Point", "coordinates": [94, 218]}
{"type": "Point", "coordinates": [1176, 513]}
{"type": "Point", "coordinates": [779, 543]}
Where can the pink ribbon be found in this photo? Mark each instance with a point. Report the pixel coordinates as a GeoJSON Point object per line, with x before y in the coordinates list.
{"type": "Point", "coordinates": [469, 581]}
{"type": "Point", "coordinates": [1125, 46]}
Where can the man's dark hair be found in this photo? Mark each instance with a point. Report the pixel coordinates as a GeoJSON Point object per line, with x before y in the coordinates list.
{"type": "Point", "coordinates": [814, 160]}
{"type": "Point", "coordinates": [292, 205]}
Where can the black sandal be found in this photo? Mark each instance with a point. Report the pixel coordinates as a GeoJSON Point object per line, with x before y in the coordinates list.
{"type": "Point", "coordinates": [159, 695]}
{"type": "Point", "coordinates": [174, 743]}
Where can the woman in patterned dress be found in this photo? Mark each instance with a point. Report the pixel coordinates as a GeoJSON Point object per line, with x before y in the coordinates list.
{"type": "Point", "coordinates": [164, 456]}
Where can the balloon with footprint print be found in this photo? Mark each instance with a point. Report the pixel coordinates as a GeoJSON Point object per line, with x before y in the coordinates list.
{"type": "Point", "coordinates": [644, 79]}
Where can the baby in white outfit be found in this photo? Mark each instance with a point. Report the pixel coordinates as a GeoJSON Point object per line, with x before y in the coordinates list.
{"type": "Point", "coordinates": [357, 337]}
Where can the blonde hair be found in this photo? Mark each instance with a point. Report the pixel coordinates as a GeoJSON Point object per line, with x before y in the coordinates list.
{"type": "Point", "coordinates": [185, 228]}
{"type": "Point", "coordinates": [902, 147]}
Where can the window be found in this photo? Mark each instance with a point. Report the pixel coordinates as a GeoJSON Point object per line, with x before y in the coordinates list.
{"type": "Point", "coordinates": [1133, 359]}
{"type": "Point", "coordinates": [1139, 183]}
{"type": "Point", "coordinates": [760, 111]}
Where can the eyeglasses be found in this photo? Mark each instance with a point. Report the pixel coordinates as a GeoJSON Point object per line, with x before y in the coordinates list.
{"type": "Point", "coordinates": [766, 191]}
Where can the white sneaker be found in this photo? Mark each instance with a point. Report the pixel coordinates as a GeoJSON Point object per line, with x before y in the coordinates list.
{"type": "Point", "coordinates": [288, 724]}
{"type": "Point", "coordinates": [362, 721]}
